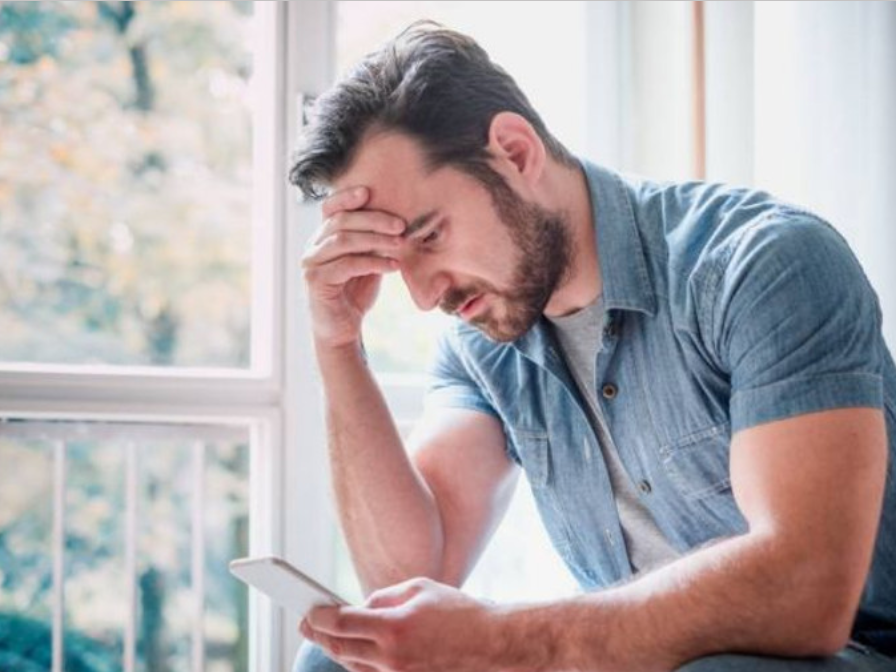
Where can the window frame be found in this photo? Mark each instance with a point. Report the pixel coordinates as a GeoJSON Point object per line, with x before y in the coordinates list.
{"type": "Point", "coordinates": [276, 398]}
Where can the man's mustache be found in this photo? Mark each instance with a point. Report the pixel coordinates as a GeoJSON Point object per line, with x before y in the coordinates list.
{"type": "Point", "coordinates": [456, 297]}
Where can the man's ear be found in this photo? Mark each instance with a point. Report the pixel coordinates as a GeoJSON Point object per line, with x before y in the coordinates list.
{"type": "Point", "coordinates": [517, 150]}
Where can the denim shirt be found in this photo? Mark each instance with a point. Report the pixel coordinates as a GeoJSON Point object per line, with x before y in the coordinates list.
{"type": "Point", "coordinates": [726, 309]}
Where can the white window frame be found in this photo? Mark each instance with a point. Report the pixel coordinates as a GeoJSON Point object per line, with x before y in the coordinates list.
{"type": "Point", "coordinates": [276, 400]}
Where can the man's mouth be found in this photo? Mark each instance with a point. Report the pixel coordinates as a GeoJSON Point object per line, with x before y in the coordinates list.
{"type": "Point", "coordinates": [470, 307]}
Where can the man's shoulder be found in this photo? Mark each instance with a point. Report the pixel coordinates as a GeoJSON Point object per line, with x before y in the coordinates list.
{"type": "Point", "coordinates": [692, 228]}
{"type": "Point", "coordinates": [680, 225]}
{"type": "Point", "coordinates": [682, 209]}
{"type": "Point", "coordinates": [695, 235]}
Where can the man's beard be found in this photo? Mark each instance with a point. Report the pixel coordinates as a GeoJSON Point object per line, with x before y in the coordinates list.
{"type": "Point", "coordinates": [543, 242]}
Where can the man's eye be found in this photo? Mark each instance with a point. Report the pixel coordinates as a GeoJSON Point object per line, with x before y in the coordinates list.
{"type": "Point", "coordinates": [430, 237]}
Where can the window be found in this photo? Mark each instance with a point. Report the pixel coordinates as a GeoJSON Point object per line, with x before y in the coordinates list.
{"type": "Point", "coordinates": [126, 166]}
{"type": "Point", "coordinates": [115, 543]}
{"type": "Point", "coordinates": [142, 363]}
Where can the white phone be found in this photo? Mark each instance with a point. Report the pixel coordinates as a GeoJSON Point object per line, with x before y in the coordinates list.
{"type": "Point", "coordinates": [284, 584]}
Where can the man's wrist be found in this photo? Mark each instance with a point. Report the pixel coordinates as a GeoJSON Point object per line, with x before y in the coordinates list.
{"type": "Point", "coordinates": [534, 638]}
{"type": "Point", "coordinates": [328, 351]}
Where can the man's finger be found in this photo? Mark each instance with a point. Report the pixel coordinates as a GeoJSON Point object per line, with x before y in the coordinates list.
{"type": "Point", "coordinates": [355, 622]}
{"type": "Point", "coordinates": [358, 652]}
{"type": "Point", "coordinates": [343, 243]}
{"type": "Point", "coordinates": [360, 667]}
{"type": "Point", "coordinates": [375, 221]}
{"type": "Point", "coordinates": [348, 651]}
{"type": "Point", "coordinates": [346, 199]}
{"type": "Point", "coordinates": [345, 648]}
{"type": "Point", "coordinates": [395, 595]}
{"type": "Point", "coordinates": [343, 269]}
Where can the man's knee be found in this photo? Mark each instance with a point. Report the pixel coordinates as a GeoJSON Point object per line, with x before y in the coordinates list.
{"type": "Point", "coordinates": [744, 663]}
{"type": "Point", "coordinates": [845, 661]}
{"type": "Point", "coordinates": [719, 664]}
{"type": "Point", "coordinates": [312, 659]}
{"type": "Point", "coordinates": [741, 663]}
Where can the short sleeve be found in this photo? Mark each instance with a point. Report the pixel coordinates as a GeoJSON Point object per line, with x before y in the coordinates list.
{"type": "Point", "coordinates": [451, 384]}
{"type": "Point", "coordinates": [796, 323]}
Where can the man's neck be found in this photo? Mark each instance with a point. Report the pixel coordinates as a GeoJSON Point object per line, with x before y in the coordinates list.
{"type": "Point", "coordinates": [568, 190]}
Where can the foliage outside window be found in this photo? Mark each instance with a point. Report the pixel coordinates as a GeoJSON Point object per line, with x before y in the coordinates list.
{"type": "Point", "coordinates": [125, 183]}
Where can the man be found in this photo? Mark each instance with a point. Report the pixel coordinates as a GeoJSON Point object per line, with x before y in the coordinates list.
{"type": "Point", "coordinates": [692, 377]}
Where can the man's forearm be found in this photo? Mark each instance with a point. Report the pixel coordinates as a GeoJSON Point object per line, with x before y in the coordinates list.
{"type": "Point", "coordinates": [740, 595]}
{"type": "Point", "coordinates": [388, 514]}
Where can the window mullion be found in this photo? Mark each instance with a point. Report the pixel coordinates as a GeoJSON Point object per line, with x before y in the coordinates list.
{"type": "Point", "coordinates": [130, 555]}
{"type": "Point", "coordinates": [59, 454]}
{"type": "Point", "coordinates": [198, 555]}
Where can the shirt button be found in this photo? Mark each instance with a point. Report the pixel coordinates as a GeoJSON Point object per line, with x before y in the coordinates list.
{"type": "Point", "coordinates": [609, 391]}
{"type": "Point", "coordinates": [645, 487]}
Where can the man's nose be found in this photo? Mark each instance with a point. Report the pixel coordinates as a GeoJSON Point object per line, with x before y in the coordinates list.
{"type": "Point", "coordinates": [425, 286]}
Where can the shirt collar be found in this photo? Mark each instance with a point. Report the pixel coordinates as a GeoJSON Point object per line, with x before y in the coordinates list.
{"type": "Point", "coordinates": [626, 281]}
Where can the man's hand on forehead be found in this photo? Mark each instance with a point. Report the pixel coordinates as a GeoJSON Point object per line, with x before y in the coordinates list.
{"type": "Point", "coordinates": [352, 200]}
{"type": "Point", "coordinates": [344, 260]}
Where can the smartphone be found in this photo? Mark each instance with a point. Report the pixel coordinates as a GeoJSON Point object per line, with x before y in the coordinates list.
{"type": "Point", "coordinates": [284, 584]}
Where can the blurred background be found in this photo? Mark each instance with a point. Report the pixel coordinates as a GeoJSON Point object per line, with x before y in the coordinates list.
{"type": "Point", "coordinates": [159, 408]}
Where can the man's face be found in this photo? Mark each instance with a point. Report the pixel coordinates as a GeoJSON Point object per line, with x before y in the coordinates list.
{"type": "Point", "coordinates": [482, 253]}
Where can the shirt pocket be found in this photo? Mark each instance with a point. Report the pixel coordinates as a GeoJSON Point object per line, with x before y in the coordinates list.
{"type": "Point", "coordinates": [534, 451]}
{"type": "Point", "coordinates": [698, 463]}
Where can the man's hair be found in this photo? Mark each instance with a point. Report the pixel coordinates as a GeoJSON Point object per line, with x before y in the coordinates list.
{"type": "Point", "coordinates": [435, 85]}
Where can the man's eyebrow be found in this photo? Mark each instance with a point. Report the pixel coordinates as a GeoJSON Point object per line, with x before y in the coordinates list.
{"type": "Point", "coordinates": [418, 223]}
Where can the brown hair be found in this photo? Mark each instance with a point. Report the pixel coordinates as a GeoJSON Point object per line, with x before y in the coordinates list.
{"type": "Point", "coordinates": [431, 83]}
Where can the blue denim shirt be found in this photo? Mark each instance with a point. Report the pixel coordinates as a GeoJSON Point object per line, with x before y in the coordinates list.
{"type": "Point", "coordinates": [726, 309]}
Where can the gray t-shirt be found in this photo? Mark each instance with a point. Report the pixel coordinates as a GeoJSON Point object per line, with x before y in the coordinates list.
{"type": "Point", "coordinates": [580, 337]}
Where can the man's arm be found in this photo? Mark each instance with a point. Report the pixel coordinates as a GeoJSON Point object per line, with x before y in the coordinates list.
{"type": "Point", "coordinates": [811, 489]}
{"type": "Point", "coordinates": [400, 519]}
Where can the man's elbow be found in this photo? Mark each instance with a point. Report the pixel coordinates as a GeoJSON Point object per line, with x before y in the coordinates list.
{"type": "Point", "coordinates": [835, 626]}
{"type": "Point", "coordinates": [829, 616]}
{"type": "Point", "coordinates": [828, 639]}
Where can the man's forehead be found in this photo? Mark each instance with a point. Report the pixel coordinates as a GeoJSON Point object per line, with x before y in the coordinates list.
{"type": "Point", "coordinates": [393, 167]}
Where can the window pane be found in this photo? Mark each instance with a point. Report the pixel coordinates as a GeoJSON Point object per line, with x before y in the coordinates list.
{"type": "Point", "coordinates": [163, 558]}
{"type": "Point", "coordinates": [26, 565]}
{"type": "Point", "coordinates": [226, 514]}
{"type": "Point", "coordinates": [125, 182]}
{"type": "Point", "coordinates": [187, 493]}
{"type": "Point", "coordinates": [96, 608]}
